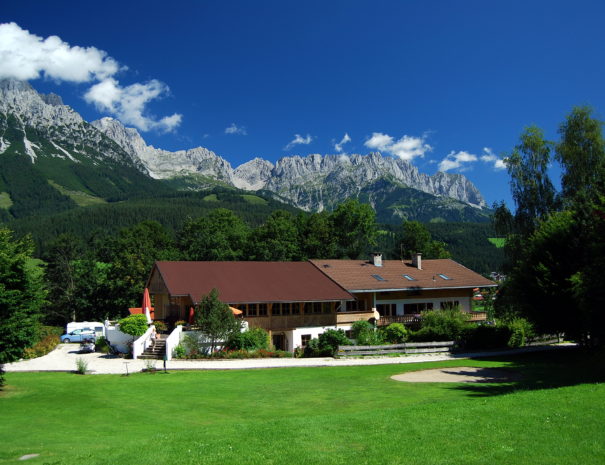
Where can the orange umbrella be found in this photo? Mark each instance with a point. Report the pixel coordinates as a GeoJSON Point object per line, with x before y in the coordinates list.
{"type": "Point", "coordinates": [147, 305]}
{"type": "Point", "coordinates": [191, 315]}
{"type": "Point", "coordinates": [236, 311]}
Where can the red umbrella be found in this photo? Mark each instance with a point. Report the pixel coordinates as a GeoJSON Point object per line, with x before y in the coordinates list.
{"type": "Point", "coordinates": [191, 314]}
{"type": "Point", "coordinates": [147, 305]}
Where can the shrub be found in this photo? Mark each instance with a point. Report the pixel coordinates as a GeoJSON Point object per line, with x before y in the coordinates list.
{"type": "Point", "coordinates": [395, 333]}
{"type": "Point", "coordinates": [331, 339]}
{"type": "Point", "coordinates": [179, 352]}
{"type": "Point", "coordinates": [181, 323]}
{"type": "Point", "coordinates": [521, 330]}
{"type": "Point", "coordinates": [160, 326]}
{"type": "Point", "coordinates": [81, 366]}
{"type": "Point", "coordinates": [48, 339]}
{"type": "Point", "coordinates": [326, 345]}
{"type": "Point", "coordinates": [442, 325]}
{"type": "Point", "coordinates": [365, 333]}
{"type": "Point", "coordinates": [135, 325]}
{"type": "Point", "coordinates": [252, 339]}
{"type": "Point", "coordinates": [487, 337]}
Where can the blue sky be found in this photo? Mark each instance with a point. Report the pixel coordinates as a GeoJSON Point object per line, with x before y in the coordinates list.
{"type": "Point", "coordinates": [428, 81]}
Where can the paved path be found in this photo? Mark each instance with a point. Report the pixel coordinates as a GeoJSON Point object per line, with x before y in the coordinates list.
{"type": "Point", "coordinates": [64, 357]}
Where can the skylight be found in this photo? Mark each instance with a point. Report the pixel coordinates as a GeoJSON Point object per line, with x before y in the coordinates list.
{"type": "Point", "coordinates": [408, 277]}
{"type": "Point", "coordinates": [377, 277]}
{"type": "Point", "coordinates": [443, 276]}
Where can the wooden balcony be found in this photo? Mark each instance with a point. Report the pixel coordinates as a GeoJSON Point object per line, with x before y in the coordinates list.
{"type": "Point", "coordinates": [343, 318]}
{"type": "Point", "coordinates": [285, 322]}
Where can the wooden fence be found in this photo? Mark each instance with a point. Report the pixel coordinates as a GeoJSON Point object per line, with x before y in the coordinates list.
{"type": "Point", "coordinates": [407, 348]}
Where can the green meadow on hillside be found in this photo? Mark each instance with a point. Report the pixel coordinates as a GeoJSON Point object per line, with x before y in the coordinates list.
{"type": "Point", "coordinates": [343, 415]}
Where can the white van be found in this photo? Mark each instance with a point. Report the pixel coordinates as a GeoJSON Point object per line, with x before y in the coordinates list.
{"type": "Point", "coordinates": [98, 328]}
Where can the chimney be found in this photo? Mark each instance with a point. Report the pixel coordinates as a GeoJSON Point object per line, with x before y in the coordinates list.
{"type": "Point", "coordinates": [377, 259]}
{"type": "Point", "coordinates": [417, 260]}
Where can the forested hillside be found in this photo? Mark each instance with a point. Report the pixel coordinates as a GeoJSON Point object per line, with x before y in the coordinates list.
{"type": "Point", "coordinates": [169, 210]}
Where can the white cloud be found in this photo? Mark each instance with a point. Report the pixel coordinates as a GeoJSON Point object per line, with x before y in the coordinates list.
{"type": "Point", "coordinates": [343, 141]}
{"type": "Point", "coordinates": [234, 129]}
{"type": "Point", "coordinates": [128, 103]}
{"type": "Point", "coordinates": [298, 139]}
{"type": "Point", "coordinates": [490, 157]}
{"type": "Point", "coordinates": [455, 160]}
{"type": "Point", "coordinates": [406, 148]}
{"type": "Point", "coordinates": [25, 56]}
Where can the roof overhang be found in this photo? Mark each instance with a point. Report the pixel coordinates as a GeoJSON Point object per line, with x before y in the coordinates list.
{"type": "Point", "coordinates": [415, 289]}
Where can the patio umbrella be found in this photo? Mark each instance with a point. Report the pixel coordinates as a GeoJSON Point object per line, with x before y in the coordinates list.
{"type": "Point", "coordinates": [147, 305]}
{"type": "Point", "coordinates": [235, 311]}
{"type": "Point", "coordinates": [191, 315]}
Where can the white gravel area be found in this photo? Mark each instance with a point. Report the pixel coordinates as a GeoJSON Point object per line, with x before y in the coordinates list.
{"type": "Point", "coordinates": [64, 357]}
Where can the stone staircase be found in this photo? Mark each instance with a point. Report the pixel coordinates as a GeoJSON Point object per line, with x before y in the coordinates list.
{"type": "Point", "coordinates": [155, 351]}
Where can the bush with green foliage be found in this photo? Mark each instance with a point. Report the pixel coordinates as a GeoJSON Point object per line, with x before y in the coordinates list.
{"type": "Point", "coordinates": [252, 339]}
{"type": "Point", "coordinates": [135, 325]}
{"type": "Point", "coordinates": [365, 333]}
{"type": "Point", "coordinates": [179, 352]}
{"type": "Point", "coordinates": [395, 333]}
{"type": "Point", "coordinates": [442, 325]}
{"type": "Point", "coordinates": [326, 345]}
{"type": "Point", "coordinates": [520, 331]}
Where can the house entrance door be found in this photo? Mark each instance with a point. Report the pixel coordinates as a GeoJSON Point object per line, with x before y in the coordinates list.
{"type": "Point", "coordinates": [279, 342]}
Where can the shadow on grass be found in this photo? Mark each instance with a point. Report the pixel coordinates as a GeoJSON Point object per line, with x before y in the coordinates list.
{"type": "Point", "coordinates": [567, 366]}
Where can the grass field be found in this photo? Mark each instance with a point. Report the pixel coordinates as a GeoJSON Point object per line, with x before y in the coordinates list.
{"type": "Point", "coordinates": [348, 415]}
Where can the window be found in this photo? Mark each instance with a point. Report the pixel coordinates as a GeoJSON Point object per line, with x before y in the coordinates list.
{"type": "Point", "coordinates": [262, 309]}
{"type": "Point", "coordinates": [356, 306]}
{"type": "Point", "coordinates": [251, 310]}
{"type": "Point", "coordinates": [417, 308]}
{"type": "Point", "coordinates": [304, 340]}
{"type": "Point", "coordinates": [449, 305]}
{"type": "Point", "coordinates": [284, 308]}
{"type": "Point", "coordinates": [377, 277]}
{"type": "Point", "coordinates": [295, 308]}
{"type": "Point", "coordinates": [387, 309]}
{"type": "Point", "coordinates": [408, 277]}
{"type": "Point", "coordinates": [313, 307]}
{"type": "Point", "coordinates": [326, 307]}
{"type": "Point", "coordinates": [443, 276]}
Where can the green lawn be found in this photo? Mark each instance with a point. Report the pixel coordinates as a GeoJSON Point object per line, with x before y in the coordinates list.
{"type": "Point", "coordinates": [348, 415]}
{"type": "Point", "coordinates": [499, 242]}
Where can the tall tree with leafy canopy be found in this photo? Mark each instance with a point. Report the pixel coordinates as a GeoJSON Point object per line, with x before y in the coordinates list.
{"type": "Point", "coordinates": [415, 238]}
{"type": "Point", "coordinates": [21, 297]}
{"type": "Point", "coordinates": [581, 153]}
{"type": "Point", "coordinates": [215, 319]}
{"type": "Point", "coordinates": [134, 252]}
{"type": "Point", "coordinates": [317, 236]}
{"type": "Point", "coordinates": [531, 187]}
{"type": "Point", "coordinates": [355, 228]}
{"type": "Point", "coordinates": [221, 235]}
{"type": "Point", "coordinates": [277, 239]}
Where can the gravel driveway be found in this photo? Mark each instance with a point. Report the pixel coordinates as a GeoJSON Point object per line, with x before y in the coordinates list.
{"type": "Point", "coordinates": [64, 357]}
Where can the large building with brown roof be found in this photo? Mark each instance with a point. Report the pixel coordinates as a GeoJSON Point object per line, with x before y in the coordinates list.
{"type": "Point", "coordinates": [294, 301]}
{"type": "Point", "coordinates": [400, 290]}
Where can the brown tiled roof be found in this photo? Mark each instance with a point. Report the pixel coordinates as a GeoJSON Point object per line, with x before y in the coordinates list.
{"type": "Point", "coordinates": [239, 282]}
{"type": "Point", "coordinates": [357, 275]}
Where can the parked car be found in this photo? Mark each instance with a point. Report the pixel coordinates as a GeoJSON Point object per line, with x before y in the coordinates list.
{"type": "Point", "coordinates": [79, 335]}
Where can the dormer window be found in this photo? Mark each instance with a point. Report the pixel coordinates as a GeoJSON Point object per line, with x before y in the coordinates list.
{"type": "Point", "coordinates": [444, 276]}
{"type": "Point", "coordinates": [408, 277]}
{"type": "Point", "coordinates": [377, 277]}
